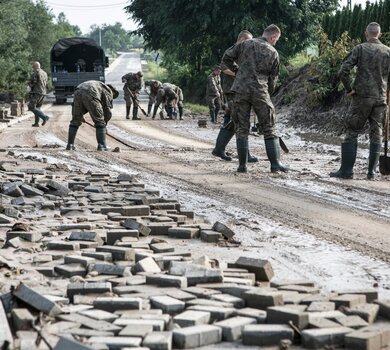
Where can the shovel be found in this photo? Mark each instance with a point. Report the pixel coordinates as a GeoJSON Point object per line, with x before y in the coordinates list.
{"type": "Point", "coordinates": [384, 161]}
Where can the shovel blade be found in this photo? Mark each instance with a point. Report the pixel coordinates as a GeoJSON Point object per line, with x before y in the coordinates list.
{"type": "Point", "coordinates": [384, 165]}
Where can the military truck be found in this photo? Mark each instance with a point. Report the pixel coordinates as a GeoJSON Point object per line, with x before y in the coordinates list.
{"type": "Point", "coordinates": [73, 61]}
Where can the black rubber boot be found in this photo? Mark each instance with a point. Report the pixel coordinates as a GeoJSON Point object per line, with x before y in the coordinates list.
{"type": "Point", "coordinates": [149, 110]}
{"type": "Point", "coordinates": [273, 153]}
{"type": "Point", "coordinates": [242, 151]}
{"type": "Point", "coordinates": [71, 137]}
{"type": "Point", "coordinates": [36, 121]}
{"type": "Point", "coordinates": [135, 114]}
{"type": "Point", "coordinates": [373, 159]}
{"type": "Point", "coordinates": [223, 139]}
{"type": "Point", "coordinates": [251, 159]}
{"type": "Point", "coordinates": [127, 112]}
{"type": "Point", "coordinates": [181, 109]}
{"type": "Point", "coordinates": [216, 115]}
{"type": "Point", "coordinates": [101, 139]}
{"type": "Point", "coordinates": [212, 116]}
{"type": "Point", "coordinates": [348, 157]}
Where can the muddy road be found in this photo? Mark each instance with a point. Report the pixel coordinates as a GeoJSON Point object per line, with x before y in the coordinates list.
{"type": "Point", "coordinates": [336, 232]}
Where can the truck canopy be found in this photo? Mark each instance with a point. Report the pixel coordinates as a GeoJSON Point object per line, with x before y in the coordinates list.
{"type": "Point", "coordinates": [71, 54]}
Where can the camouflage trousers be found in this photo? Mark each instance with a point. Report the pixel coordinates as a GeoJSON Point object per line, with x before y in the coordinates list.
{"type": "Point", "coordinates": [130, 100]}
{"type": "Point", "coordinates": [361, 110]}
{"type": "Point", "coordinates": [214, 103]}
{"type": "Point", "coordinates": [82, 104]}
{"type": "Point", "coordinates": [266, 117]}
{"type": "Point", "coordinates": [35, 101]}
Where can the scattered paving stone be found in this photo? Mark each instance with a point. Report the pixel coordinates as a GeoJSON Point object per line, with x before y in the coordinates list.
{"type": "Point", "coordinates": [167, 304]}
{"type": "Point", "coordinates": [261, 268]}
{"type": "Point", "coordinates": [266, 334]}
{"type": "Point", "coordinates": [135, 225]}
{"type": "Point", "coordinates": [196, 336]}
{"type": "Point", "coordinates": [285, 314]}
{"type": "Point", "coordinates": [223, 229]}
{"type": "Point", "coordinates": [167, 280]}
{"type": "Point", "coordinates": [118, 235]}
{"type": "Point", "coordinates": [116, 343]}
{"type": "Point", "coordinates": [87, 288]}
{"type": "Point", "coordinates": [137, 330]}
{"type": "Point", "coordinates": [348, 300]}
{"type": "Point", "coordinates": [5, 331]}
{"type": "Point", "coordinates": [183, 232]}
{"type": "Point", "coordinates": [112, 304]}
{"type": "Point", "coordinates": [147, 265]}
{"type": "Point", "coordinates": [158, 341]}
{"type": "Point", "coordinates": [260, 299]}
{"type": "Point", "coordinates": [65, 343]}
{"type": "Point", "coordinates": [210, 236]}
{"type": "Point", "coordinates": [192, 318]}
{"type": "Point", "coordinates": [319, 338]}
{"type": "Point", "coordinates": [232, 327]}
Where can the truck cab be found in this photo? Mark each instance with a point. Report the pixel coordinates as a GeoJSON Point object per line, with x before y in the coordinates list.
{"type": "Point", "coordinates": [74, 61]}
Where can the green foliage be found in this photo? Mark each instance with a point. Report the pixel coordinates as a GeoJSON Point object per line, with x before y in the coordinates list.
{"type": "Point", "coordinates": [28, 30]}
{"type": "Point", "coordinates": [196, 108]}
{"type": "Point", "coordinates": [355, 21]}
{"type": "Point", "coordinates": [299, 60]}
{"type": "Point", "coordinates": [199, 43]}
{"type": "Point", "coordinates": [326, 66]}
{"type": "Point", "coordinates": [154, 71]}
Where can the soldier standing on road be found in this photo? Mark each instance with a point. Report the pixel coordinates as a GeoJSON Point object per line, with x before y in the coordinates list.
{"type": "Point", "coordinates": [133, 84]}
{"type": "Point", "coordinates": [96, 98]}
{"type": "Point", "coordinates": [227, 130]}
{"type": "Point", "coordinates": [154, 85]}
{"type": "Point", "coordinates": [214, 93]}
{"type": "Point", "coordinates": [255, 81]}
{"type": "Point", "coordinates": [167, 98]}
{"type": "Point", "coordinates": [38, 86]}
{"type": "Point", "coordinates": [368, 94]}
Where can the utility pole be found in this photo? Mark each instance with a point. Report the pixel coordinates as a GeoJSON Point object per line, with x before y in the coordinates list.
{"type": "Point", "coordinates": [349, 5]}
{"type": "Point", "coordinates": [100, 36]}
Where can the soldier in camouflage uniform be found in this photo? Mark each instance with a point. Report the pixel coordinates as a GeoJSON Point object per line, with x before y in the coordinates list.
{"type": "Point", "coordinates": [154, 85]}
{"type": "Point", "coordinates": [96, 98]}
{"type": "Point", "coordinates": [178, 102]}
{"type": "Point", "coordinates": [214, 93]}
{"type": "Point", "coordinates": [226, 132]}
{"type": "Point", "coordinates": [368, 94]}
{"type": "Point", "coordinates": [167, 98]}
{"type": "Point", "coordinates": [38, 85]}
{"type": "Point", "coordinates": [133, 84]}
{"type": "Point", "coordinates": [255, 81]}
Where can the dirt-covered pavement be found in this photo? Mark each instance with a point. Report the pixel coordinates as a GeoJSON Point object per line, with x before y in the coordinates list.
{"type": "Point", "coordinates": [335, 232]}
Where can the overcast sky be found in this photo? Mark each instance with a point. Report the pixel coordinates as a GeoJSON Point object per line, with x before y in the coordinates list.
{"type": "Point", "coordinates": [84, 13]}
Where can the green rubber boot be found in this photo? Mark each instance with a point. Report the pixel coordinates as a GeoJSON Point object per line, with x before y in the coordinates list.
{"type": "Point", "coordinates": [348, 158]}
{"type": "Point", "coordinates": [242, 151]}
{"type": "Point", "coordinates": [71, 137]}
{"type": "Point", "coordinates": [101, 139]}
{"type": "Point", "coordinates": [251, 159]}
{"type": "Point", "coordinates": [273, 153]}
{"type": "Point", "coordinates": [223, 139]}
{"type": "Point", "coordinates": [373, 159]}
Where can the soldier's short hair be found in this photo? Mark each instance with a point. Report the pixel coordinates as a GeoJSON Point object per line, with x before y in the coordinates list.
{"type": "Point", "coordinates": [373, 29]}
{"type": "Point", "coordinates": [115, 92]}
{"type": "Point", "coordinates": [244, 33]}
{"type": "Point", "coordinates": [271, 30]}
{"type": "Point", "coordinates": [140, 74]}
{"type": "Point", "coordinates": [217, 67]}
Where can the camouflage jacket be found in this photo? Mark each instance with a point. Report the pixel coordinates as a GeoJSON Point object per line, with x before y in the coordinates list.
{"type": "Point", "coordinates": [153, 88]}
{"type": "Point", "coordinates": [259, 67]}
{"type": "Point", "coordinates": [372, 60]}
{"type": "Point", "coordinates": [169, 95]}
{"type": "Point", "coordinates": [178, 91]}
{"type": "Point", "coordinates": [213, 85]}
{"type": "Point", "coordinates": [97, 91]}
{"type": "Point", "coordinates": [228, 80]}
{"type": "Point", "coordinates": [132, 83]}
{"type": "Point", "coordinates": [38, 82]}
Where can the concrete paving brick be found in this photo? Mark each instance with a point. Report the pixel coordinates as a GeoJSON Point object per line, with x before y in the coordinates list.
{"type": "Point", "coordinates": [266, 334]}
{"type": "Point", "coordinates": [195, 273]}
{"type": "Point", "coordinates": [259, 315]}
{"type": "Point", "coordinates": [300, 289]}
{"type": "Point", "coordinates": [321, 337]}
{"type": "Point", "coordinates": [216, 313]}
{"type": "Point", "coordinates": [27, 236]}
{"type": "Point", "coordinates": [118, 235]}
{"type": "Point", "coordinates": [56, 186]}
{"type": "Point", "coordinates": [227, 232]}
{"type": "Point", "coordinates": [68, 227]}
{"type": "Point", "coordinates": [13, 190]}
{"type": "Point", "coordinates": [77, 259]}
{"type": "Point", "coordinates": [70, 270]}
{"type": "Point", "coordinates": [99, 315]}
{"type": "Point", "coordinates": [91, 323]}
{"type": "Point", "coordinates": [383, 329]}
{"type": "Point", "coordinates": [162, 247]}
{"type": "Point", "coordinates": [322, 323]}
{"type": "Point", "coordinates": [183, 232]}
{"type": "Point", "coordinates": [370, 293]}
{"type": "Point", "coordinates": [136, 210]}
{"type": "Point", "coordinates": [167, 281]}
{"type": "Point", "coordinates": [87, 288]}
{"type": "Point", "coordinates": [384, 308]}
{"type": "Point", "coordinates": [331, 315]}
{"type": "Point", "coordinates": [109, 269]}
{"type": "Point", "coordinates": [112, 304]}
{"type": "Point", "coordinates": [63, 245]}
{"type": "Point", "coordinates": [180, 295]}
{"type": "Point", "coordinates": [227, 298]}
{"type": "Point", "coordinates": [64, 343]}
{"type": "Point", "coordinates": [192, 318]}
{"type": "Point", "coordinates": [284, 314]}
{"type": "Point", "coordinates": [259, 299]}
{"type": "Point", "coordinates": [132, 224]}
{"type": "Point", "coordinates": [158, 341]}
{"type": "Point", "coordinates": [348, 300]}
{"type": "Point", "coordinates": [136, 330]}
{"type": "Point", "coordinates": [232, 327]}
{"type": "Point", "coordinates": [367, 312]}
{"type": "Point", "coordinates": [276, 283]}
{"type": "Point", "coordinates": [104, 256]}
{"type": "Point", "coordinates": [354, 322]}
{"type": "Point", "coordinates": [85, 236]}
{"type": "Point", "coordinates": [168, 304]}
{"type": "Point", "coordinates": [360, 340]}
{"type": "Point", "coordinates": [261, 268]}
{"type": "Point", "coordinates": [118, 253]}
{"type": "Point", "coordinates": [160, 228]}
{"type": "Point", "coordinates": [210, 236]}
{"type": "Point", "coordinates": [36, 300]}
{"type": "Point", "coordinates": [30, 191]}
{"type": "Point", "coordinates": [147, 265]}
{"type": "Point", "coordinates": [5, 331]}
{"type": "Point", "coordinates": [22, 319]}
{"type": "Point", "coordinates": [318, 306]}
{"type": "Point", "coordinates": [116, 343]}
{"type": "Point", "coordinates": [196, 336]}
{"type": "Point", "coordinates": [157, 324]}
{"type": "Point", "coordinates": [200, 292]}
{"type": "Point", "coordinates": [209, 302]}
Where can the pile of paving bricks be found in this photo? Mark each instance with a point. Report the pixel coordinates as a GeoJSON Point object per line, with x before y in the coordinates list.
{"type": "Point", "coordinates": [86, 263]}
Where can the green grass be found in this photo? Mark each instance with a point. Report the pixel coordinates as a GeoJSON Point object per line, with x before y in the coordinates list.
{"type": "Point", "coordinates": [196, 108]}
{"type": "Point", "coordinates": [154, 71]}
{"type": "Point", "coordinates": [299, 60]}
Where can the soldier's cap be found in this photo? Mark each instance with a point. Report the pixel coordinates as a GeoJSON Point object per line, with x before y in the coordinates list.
{"type": "Point", "coordinates": [217, 67]}
{"type": "Point", "coordinates": [115, 92]}
{"type": "Point", "coordinates": [140, 74]}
